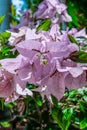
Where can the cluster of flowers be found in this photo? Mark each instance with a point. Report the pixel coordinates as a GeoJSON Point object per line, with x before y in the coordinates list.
{"type": "Point", "coordinates": [44, 57]}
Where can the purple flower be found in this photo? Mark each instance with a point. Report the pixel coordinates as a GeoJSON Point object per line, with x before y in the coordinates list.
{"type": "Point", "coordinates": [10, 84]}
{"type": "Point", "coordinates": [49, 9]}
{"type": "Point", "coordinates": [26, 20]}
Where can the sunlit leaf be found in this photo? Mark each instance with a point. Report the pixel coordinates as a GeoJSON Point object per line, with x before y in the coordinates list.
{"type": "Point", "coordinates": [39, 103]}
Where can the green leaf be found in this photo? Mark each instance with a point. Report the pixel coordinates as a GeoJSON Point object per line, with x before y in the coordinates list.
{"type": "Point", "coordinates": [72, 10]}
{"type": "Point", "coordinates": [55, 101]}
{"type": "Point", "coordinates": [2, 103]}
{"type": "Point", "coordinates": [8, 105]}
{"type": "Point", "coordinates": [83, 106]}
{"type": "Point", "coordinates": [5, 35]}
{"type": "Point", "coordinates": [67, 113]}
{"type": "Point", "coordinates": [45, 25]}
{"type": "Point", "coordinates": [72, 93]}
{"type": "Point", "coordinates": [72, 39]}
{"type": "Point", "coordinates": [39, 103]}
{"type": "Point", "coordinates": [85, 97]}
{"type": "Point", "coordinates": [1, 19]}
{"type": "Point", "coordinates": [5, 50]}
{"type": "Point", "coordinates": [58, 116]}
{"type": "Point", "coordinates": [5, 124]}
{"type": "Point", "coordinates": [83, 123]}
{"type": "Point", "coordinates": [31, 86]}
{"type": "Point", "coordinates": [80, 57]}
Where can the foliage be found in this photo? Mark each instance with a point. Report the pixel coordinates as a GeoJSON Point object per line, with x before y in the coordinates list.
{"type": "Point", "coordinates": [33, 4]}
{"type": "Point", "coordinates": [14, 16]}
{"type": "Point", "coordinates": [30, 112]}
{"type": "Point", "coordinates": [70, 112]}
{"type": "Point", "coordinates": [77, 9]}
{"type": "Point", "coordinates": [67, 114]}
{"type": "Point", "coordinates": [5, 49]}
{"type": "Point", "coordinates": [73, 11]}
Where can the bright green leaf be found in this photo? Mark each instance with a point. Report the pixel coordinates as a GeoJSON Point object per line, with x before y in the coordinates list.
{"type": "Point", "coordinates": [39, 103]}
{"type": "Point", "coordinates": [5, 124]}
{"type": "Point", "coordinates": [5, 35]}
{"type": "Point", "coordinates": [45, 25]}
{"type": "Point", "coordinates": [72, 93]}
{"type": "Point", "coordinates": [1, 19]}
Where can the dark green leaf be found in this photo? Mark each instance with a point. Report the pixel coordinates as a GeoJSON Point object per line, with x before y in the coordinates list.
{"type": "Point", "coordinates": [55, 101]}
{"type": "Point", "coordinates": [83, 106]}
{"type": "Point", "coordinates": [72, 39]}
{"type": "Point", "coordinates": [1, 103]}
{"type": "Point", "coordinates": [80, 57]}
